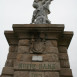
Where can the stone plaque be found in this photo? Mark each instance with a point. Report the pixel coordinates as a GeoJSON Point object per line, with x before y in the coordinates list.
{"type": "Point", "coordinates": [37, 58]}
{"type": "Point", "coordinates": [36, 74]}
{"type": "Point", "coordinates": [42, 66]}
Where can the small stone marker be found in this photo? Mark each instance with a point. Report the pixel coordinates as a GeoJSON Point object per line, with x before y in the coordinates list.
{"type": "Point", "coordinates": [37, 58]}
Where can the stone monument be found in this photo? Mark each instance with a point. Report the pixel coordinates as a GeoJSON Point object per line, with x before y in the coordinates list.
{"type": "Point", "coordinates": [38, 49]}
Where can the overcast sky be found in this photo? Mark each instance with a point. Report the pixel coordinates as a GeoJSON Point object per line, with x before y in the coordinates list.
{"type": "Point", "coordinates": [20, 12]}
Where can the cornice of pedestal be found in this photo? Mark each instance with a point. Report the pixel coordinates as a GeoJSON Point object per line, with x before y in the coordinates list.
{"type": "Point", "coordinates": [53, 31]}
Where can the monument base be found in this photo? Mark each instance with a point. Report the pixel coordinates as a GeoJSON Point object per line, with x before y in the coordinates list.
{"type": "Point", "coordinates": [37, 50]}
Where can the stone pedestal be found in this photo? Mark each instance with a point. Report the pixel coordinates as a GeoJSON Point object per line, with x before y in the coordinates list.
{"type": "Point", "coordinates": [48, 42]}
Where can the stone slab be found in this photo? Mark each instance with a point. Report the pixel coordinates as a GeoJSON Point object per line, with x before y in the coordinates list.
{"type": "Point", "coordinates": [6, 76]}
{"type": "Point", "coordinates": [23, 49]}
{"type": "Point", "coordinates": [24, 42]}
{"type": "Point", "coordinates": [62, 49]}
{"type": "Point", "coordinates": [46, 57]}
{"type": "Point", "coordinates": [8, 71]}
{"type": "Point", "coordinates": [35, 74]}
{"type": "Point", "coordinates": [41, 66]}
{"type": "Point", "coordinates": [12, 55]}
{"type": "Point", "coordinates": [52, 43]}
{"type": "Point", "coordinates": [21, 74]}
{"type": "Point", "coordinates": [51, 74]}
{"type": "Point", "coordinates": [64, 63]}
{"type": "Point", "coordinates": [66, 72]}
{"type": "Point", "coordinates": [50, 49]}
{"type": "Point", "coordinates": [63, 56]}
{"type": "Point", "coordinates": [13, 48]}
{"type": "Point", "coordinates": [9, 63]}
{"type": "Point", "coordinates": [24, 57]}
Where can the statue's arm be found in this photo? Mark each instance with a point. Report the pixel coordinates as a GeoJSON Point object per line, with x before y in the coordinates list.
{"type": "Point", "coordinates": [47, 3]}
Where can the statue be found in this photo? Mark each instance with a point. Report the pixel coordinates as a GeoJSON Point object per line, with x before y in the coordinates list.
{"type": "Point", "coordinates": [41, 11]}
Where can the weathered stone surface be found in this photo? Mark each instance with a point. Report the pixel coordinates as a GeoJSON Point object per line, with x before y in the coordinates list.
{"type": "Point", "coordinates": [62, 49]}
{"type": "Point", "coordinates": [12, 55]}
{"type": "Point", "coordinates": [24, 42]}
{"type": "Point", "coordinates": [50, 57]}
{"type": "Point", "coordinates": [63, 56]}
{"type": "Point", "coordinates": [64, 63]}
{"type": "Point", "coordinates": [9, 63]}
{"type": "Point", "coordinates": [50, 49]}
{"type": "Point", "coordinates": [52, 43]}
{"type": "Point", "coordinates": [8, 71]}
{"type": "Point", "coordinates": [51, 74]}
{"type": "Point", "coordinates": [36, 74]}
{"type": "Point", "coordinates": [6, 76]}
{"type": "Point", "coordinates": [46, 57]}
{"type": "Point", "coordinates": [24, 57]}
{"type": "Point", "coordinates": [41, 66]}
{"type": "Point", "coordinates": [21, 74]}
{"type": "Point", "coordinates": [23, 49]}
{"type": "Point", "coordinates": [66, 72]}
{"type": "Point", "coordinates": [13, 48]}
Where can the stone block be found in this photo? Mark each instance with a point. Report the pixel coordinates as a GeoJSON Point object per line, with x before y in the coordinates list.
{"type": "Point", "coordinates": [12, 55]}
{"type": "Point", "coordinates": [6, 76]}
{"type": "Point", "coordinates": [13, 48]}
{"type": "Point", "coordinates": [62, 49]}
{"type": "Point", "coordinates": [63, 56]}
{"type": "Point", "coordinates": [66, 72]}
{"type": "Point", "coordinates": [64, 63]}
{"type": "Point", "coordinates": [50, 58]}
{"type": "Point", "coordinates": [36, 74]}
{"type": "Point", "coordinates": [7, 71]}
{"type": "Point", "coordinates": [50, 49]}
{"type": "Point", "coordinates": [9, 63]}
{"type": "Point", "coordinates": [21, 74]}
{"type": "Point", "coordinates": [37, 66]}
{"type": "Point", "coordinates": [23, 49]}
{"type": "Point", "coordinates": [24, 42]}
{"type": "Point", "coordinates": [24, 57]}
{"type": "Point", "coordinates": [52, 43]}
{"type": "Point", "coordinates": [51, 74]}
